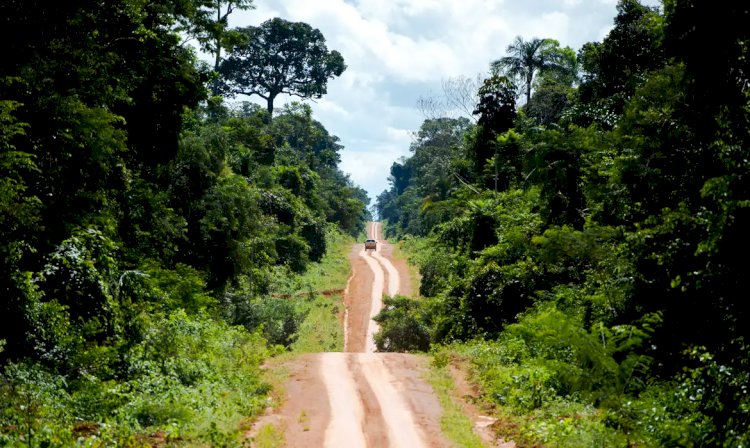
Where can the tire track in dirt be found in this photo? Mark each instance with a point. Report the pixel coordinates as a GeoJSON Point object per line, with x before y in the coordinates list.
{"type": "Point", "coordinates": [394, 279]}
{"type": "Point", "coordinates": [376, 299]}
{"type": "Point", "coordinates": [345, 428]}
{"type": "Point", "coordinates": [382, 269]}
{"type": "Point", "coordinates": [399, 417]}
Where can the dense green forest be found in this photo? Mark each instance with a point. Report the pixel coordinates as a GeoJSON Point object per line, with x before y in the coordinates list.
{"type": "Point", "coordinates": [585, 250]}
{"type": "Point", "coordinates": [147, 230]}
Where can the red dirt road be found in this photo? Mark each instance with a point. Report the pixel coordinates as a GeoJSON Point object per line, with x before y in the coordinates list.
{"type": "Point", "coordinates": [361, 398]}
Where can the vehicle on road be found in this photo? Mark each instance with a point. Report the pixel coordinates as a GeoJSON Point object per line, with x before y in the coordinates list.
{"type": "Point", "coordinates": [371, 244]}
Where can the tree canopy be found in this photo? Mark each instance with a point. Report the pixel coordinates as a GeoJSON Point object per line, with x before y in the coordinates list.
{"type": "Point", "coordinates": [526, 59]}
{"type": "Point", "coordinates": [210, 25]}
{"type": "Point", "coordinates": [280, 57]}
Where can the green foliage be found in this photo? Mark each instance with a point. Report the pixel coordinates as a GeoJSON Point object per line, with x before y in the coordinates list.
{"type": "Point", "coordinates": [403, 326]}
{"type": "Point", "coordinates": [293, 252]}
{"type": "Point", "coordinates": [137, 226]}
{"type": "Point", "coordinates": [555, 165]}
{"type": "Point", "coordinates": [17, 210]}
{"type": "Point", "coordinates": [551, 100]}
{"type": "Point", "coordinates": [31, 397]}
{"type": "Point", "coordinates": [504, 170]}
{"type": "Point", "coordinates": [610, 238]}
{"type": "Point", "coordinates": [614, 68]}
{"type": "Point", "coordinates": [277, 317]}
{"type": "Point", "coordinates": [186, 372]}
{"type": "Point", "coordinates": [552, 373]}
{"type": "Point", "coordinates": [171, 289]}
{"type": "Point", "coordinates": [528, 58]}
{"type": "Point", "coordinates": [208, 23]}
{"type": "Point", "coordinates": [280, 57]}
{"type": "Point", "coordinates": [497, 111]}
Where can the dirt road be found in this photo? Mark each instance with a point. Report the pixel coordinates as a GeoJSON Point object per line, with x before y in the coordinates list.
{"type": "Point", "coordinates": [361, 398]}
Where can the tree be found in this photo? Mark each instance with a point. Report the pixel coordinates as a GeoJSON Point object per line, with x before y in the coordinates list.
{"type": "Point", "coordinates": [613, 69]}
{"type": "Point", "coordinates": [436, 146]}
{"type": "Point", "coordinates": [526, 58]}
{"type": "Point", "coordinates": [497, 111]}
{"type": "Point", "coordinates": [549, 102]}
{"type": "Point", "coordinates": [459, 96]}
{"type": "Point", "coordinates": [281, 57]}
{"type": "Point", "coordinates": [209, 25]}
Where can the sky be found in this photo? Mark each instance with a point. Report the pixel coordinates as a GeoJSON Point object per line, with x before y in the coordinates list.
{"type": "Point", "coordinates": [398, 51]}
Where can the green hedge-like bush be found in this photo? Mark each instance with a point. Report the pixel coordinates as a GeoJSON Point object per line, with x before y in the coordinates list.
{"type": "Point", "coordinates": [403, 326]}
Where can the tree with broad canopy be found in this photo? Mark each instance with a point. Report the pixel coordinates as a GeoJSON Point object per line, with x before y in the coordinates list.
{"type": "Point", "coordinates": [280, 57]}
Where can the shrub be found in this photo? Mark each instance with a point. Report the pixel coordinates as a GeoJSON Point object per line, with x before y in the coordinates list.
{"type": "Point", "coordinates": [276, 317]}
{"type": "Point", "coordinates": [403, 326]}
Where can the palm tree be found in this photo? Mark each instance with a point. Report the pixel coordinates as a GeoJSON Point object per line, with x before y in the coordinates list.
{"type": "Point", "coordinates": [525, 58]}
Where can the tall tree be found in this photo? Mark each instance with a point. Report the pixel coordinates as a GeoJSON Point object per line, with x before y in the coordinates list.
{"type": "Point", "coordinates": [436, 146]}
{"type": "Point", "coordinates": [281, 57]}
{"type": "Point", "coordinates": [497, 111]}
{"type": "Point", "coordinates": [613, 69]}
{"type": "Point", "coordinates": [527, 58]}
{"type": "Point", "coordinates": [211, 25]}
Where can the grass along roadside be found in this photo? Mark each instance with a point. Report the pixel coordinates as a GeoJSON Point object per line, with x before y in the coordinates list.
{"type": "Point", "coordinates": [401, 250]}
{"type": "Point", "coordinates": [456, 425]}
{"type": "Point", "coordinates": [333, 270]}
{"type": "Point", "coordinates": [322, 329]}
{"type": "Point", "coordinates": [269, 436]}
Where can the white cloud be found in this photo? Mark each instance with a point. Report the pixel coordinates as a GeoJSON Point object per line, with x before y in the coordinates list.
{"type": "Point", "coordinates": [402, 136]}
{"type": "Point", "coordinates": [330, 107]}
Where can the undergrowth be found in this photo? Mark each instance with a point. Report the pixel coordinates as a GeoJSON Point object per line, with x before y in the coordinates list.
{"type": "Point", "coordinates": [190, 373]}
{"type": "Point", "coordinates": [191, 378]}
{"type": "Point", "coordinates": [322, 329]}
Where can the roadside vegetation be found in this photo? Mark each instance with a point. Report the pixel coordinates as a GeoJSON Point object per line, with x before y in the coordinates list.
{"type": "Point", "coordinates": [581, 252]}
{"type": "Point", "coordinates": [456, 425]}
{"type": "Point", "coordinates": [157, 243]}
{"type": "Point", "coordinates": [322, 330]}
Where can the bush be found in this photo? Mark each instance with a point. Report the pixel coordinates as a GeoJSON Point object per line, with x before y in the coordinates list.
{"type": "Point", "coordinates": [403, 326]}
{"type": "Point", "coordinates": [276, 317]}
{"type": "Point", "coordinates": [34, 406]}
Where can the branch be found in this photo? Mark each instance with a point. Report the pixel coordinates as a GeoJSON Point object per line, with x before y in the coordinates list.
{"type": "Point", "coordinates": [460, 179]}
{"type": "Point", "coordinates": [249, 93]}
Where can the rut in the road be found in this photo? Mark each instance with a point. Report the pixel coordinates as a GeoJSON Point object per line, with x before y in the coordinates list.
{"type": "Point", "coordinates": [356, 426]}
{"type": "Point", "coordinates": [377, 263]}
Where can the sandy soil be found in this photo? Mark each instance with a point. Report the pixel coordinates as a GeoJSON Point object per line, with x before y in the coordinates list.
{"type": "Point", "coordinates": [360, 398]}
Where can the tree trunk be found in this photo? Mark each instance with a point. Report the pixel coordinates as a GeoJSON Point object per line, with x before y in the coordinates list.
{"type": "Point", "coordinates": [529, 77]}
{"type": "Point", "coordinates": [218, 56]}
{"type": "Point", "coordinates": [218, 38]}
{"type": "Point", "coordinates": [270, 104]}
